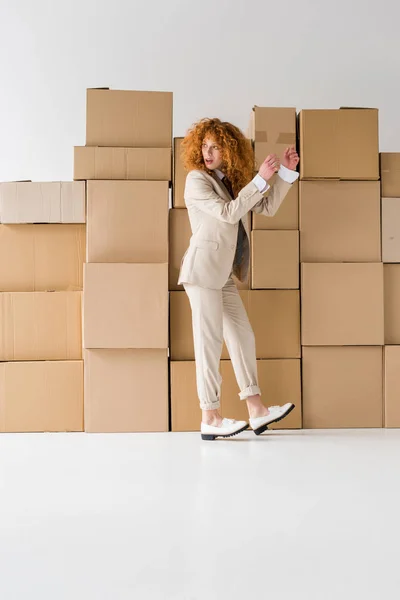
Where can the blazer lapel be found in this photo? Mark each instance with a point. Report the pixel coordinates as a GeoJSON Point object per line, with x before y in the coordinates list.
{"type": "Point", "coordinates": [224, 192]}
{"type": "Point", "coordinates": [221, 188]}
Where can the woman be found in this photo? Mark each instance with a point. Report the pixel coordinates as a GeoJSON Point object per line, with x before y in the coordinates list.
{"type": "Point", "coordinates": [218, 196]}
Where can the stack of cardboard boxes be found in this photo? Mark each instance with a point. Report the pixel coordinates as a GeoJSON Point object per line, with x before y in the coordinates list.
{"type": "Point", "coordinates": [127, 165]}
{"type": "Point", "coordinates": [333, 235]}
{"type": "Point", "coordinates": [341, 269]}
{"type": "Point", "coordinates": [390, 189]}
{"type": "Point", "coordinates": [275, 271]}
{"type": "Point", "coordinates": [42, 242]}
{"type": "Point", "coordinates": [272, 303]}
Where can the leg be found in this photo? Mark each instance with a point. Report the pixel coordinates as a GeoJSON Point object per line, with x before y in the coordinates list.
{"type": "Point", "coordinates": [239, 338]}
{"type": "Point", "coordinates": [240, 341]}
{"type": "Point", "coordinates": [206, 308]}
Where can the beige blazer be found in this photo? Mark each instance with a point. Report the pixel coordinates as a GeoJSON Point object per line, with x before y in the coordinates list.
{"type": "Point", "coordinates": [214, 219]}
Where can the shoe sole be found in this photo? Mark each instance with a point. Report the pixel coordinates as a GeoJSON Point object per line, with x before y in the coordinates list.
{"type": "Point", "coordinates": [212, 436]}
{"type": "Point", "coordinates": [263, 428]}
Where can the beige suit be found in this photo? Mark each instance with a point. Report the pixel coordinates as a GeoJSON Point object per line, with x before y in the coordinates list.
{"type": "Point", "coordinates": [217, 310]}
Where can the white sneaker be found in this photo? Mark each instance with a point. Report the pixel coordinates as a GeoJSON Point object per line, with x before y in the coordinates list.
{"type": "Point", "coordinates": [276, 413]}
{"type": "Point", "coordinates": [228, 428]}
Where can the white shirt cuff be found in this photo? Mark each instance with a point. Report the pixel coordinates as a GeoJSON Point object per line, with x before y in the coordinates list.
{"type": "Point", "coordinates": [287, 174]}
{"type": "Point", "coordinates": [260, 182]}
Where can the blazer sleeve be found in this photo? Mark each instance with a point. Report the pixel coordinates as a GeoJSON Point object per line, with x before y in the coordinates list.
{"type": "Point", "coordinates": [200, 194]}
{"type": "Point", "coordinates": [272, 198]}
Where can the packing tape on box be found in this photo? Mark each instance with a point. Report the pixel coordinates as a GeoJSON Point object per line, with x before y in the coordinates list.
{"type": "Point", "coordinates": [287, 138]}
{"type": "Point", "coordinates": [283, 138]}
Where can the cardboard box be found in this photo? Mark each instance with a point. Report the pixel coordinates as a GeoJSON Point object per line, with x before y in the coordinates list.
{"type": "Point", "coordinates": [40, 326]}
{"type": "Point", "coordinates": [275, 318]}
{"type": "Point", "coordinates": [342, 387]}
{"type": "Point", "coordinates": [179, 181]}
{"type": "Point", "coordinates": [185, 409]}
{"type": "Point", "coordinates": [278, 379]}
{"type": "Point", "coordinates": [125, 306]}
{"type": "Point", "coordinates": [96, 162]}
{"type": "Point", "coordinates": [275, 260]}
{"type": "Point", "coordinates": [180, 328]}
{"type": "Point", "coordinates": [179, 239]}
{"type": "Point", "coordinates": [127, 222]}
{"type": "Point", "coordinates": [126, 390]}
{"type": "Point", "coordinates": [390, 174]}
{"type": "Point", "coordinates": [50, 202]}
{"type": "Point", "coordinates": [392, 303]}
{"type": "Point", "coordinates": [41, 396]}
{"type": "Point", "coordinates": [392, 386]}
{"type": "Point", "coordinates": [287, 217]}
{"type": "Point", "coordinates": [342, 304]}
{"type": "Point", "coordinates": [273, 130]}
{"type": "Point", "coordinates": [39, 258]}
{"type": "Point", "coordinates": [340, 221]}
{"type": "Point", "coordinates": [339, 144]}
{"type": "Point", "coordinates": [391, 230]}
{"type": "Point", "coordinates": [273, 314]}
{"type": "Point", "coordinates": [128, 119]}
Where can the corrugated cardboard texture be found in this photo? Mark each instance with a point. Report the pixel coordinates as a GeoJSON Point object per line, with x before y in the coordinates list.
{"type": "Point", "coordinates": [340, 221]}
{"type": "Point", "coordinates": [339, 144]}
{"type": "Point", "coordinates": [179, 238]}
{"type": "Point", "coordinates": [342, 387]}
{"type": "Point", "coordinates": [50, 202]}
{"type": "Point", "coordinates": [117, 384]}
{"type": "Point", "coordinates": [273, 314]}
{"type": "Point", "coordinates": [392, 303]}
{"type": "Point", "coordinates": [127, 221]}
{"type": "Point", "coordinates": [391, 230]}
{"type": "Point", "coordinates": [180, 328]}
{"type": "Point", "coordinates": [179, 176]}
{"type": "Point", "coordinates": [273, 130]}
{"type": "Point", "coordinates": [40, 326]}
{"type": "Point", "coordinates": [185, 409]}
{"type": "Point", "coordinates": [151, 164]}
{"type": "Point", "coordinates": [129, 119]}
{"type": "Point", "coordinates": [287, 217]}
{"type": "Point", "coordinates": [342, 304]}
{"type": "Point", "coordinates": [278, 379]}
{"type": "Point", "coordinates": [125, 306]}
{"type": "Point", "coordinates": [275, 317]}
{"type": "Point", "coordinates": [41, 396]}
{"type": "Point", "coordinates": [390, 174]}
{"type": "Point", "coordinates": [38, 258]}
{"type": "Point", "coordinates": [392, 386]}
{"type": "Point", "coordinates": [275, 260]}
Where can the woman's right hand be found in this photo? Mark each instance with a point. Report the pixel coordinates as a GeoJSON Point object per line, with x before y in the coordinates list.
{"type": "Point", "coordinates": [269, 167]}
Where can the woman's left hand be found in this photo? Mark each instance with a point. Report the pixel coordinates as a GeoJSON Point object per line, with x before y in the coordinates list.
{"type": "Point", "coordinates": [290, 158]}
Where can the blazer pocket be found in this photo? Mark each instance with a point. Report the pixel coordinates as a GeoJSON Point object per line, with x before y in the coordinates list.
{"type": "Point", "coordinates": [206, 244]}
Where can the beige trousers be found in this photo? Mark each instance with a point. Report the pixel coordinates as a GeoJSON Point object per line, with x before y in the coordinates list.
{"type": "Point", "coordinates": [219, 315]}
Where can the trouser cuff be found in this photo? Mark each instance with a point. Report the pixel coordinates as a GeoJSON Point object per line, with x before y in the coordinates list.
{"type": "Point", "coordinates": [252, 390]}
{"type": "Point", "coordinates": [208, 406]}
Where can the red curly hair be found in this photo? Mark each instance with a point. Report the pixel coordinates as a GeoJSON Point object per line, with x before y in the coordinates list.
{"type": "Point", "coordinates": [236, 150]}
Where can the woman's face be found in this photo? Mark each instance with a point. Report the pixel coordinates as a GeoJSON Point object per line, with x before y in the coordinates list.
{"type": "Point", "coordinates": [212, 154]}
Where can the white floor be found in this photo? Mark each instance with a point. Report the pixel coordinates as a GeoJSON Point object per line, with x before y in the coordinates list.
{"type": "Point", "coordinates": [289, 515]}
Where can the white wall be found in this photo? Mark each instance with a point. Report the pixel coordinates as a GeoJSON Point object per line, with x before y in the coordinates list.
{"type": "Point", "coordinates": [219, 57]}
